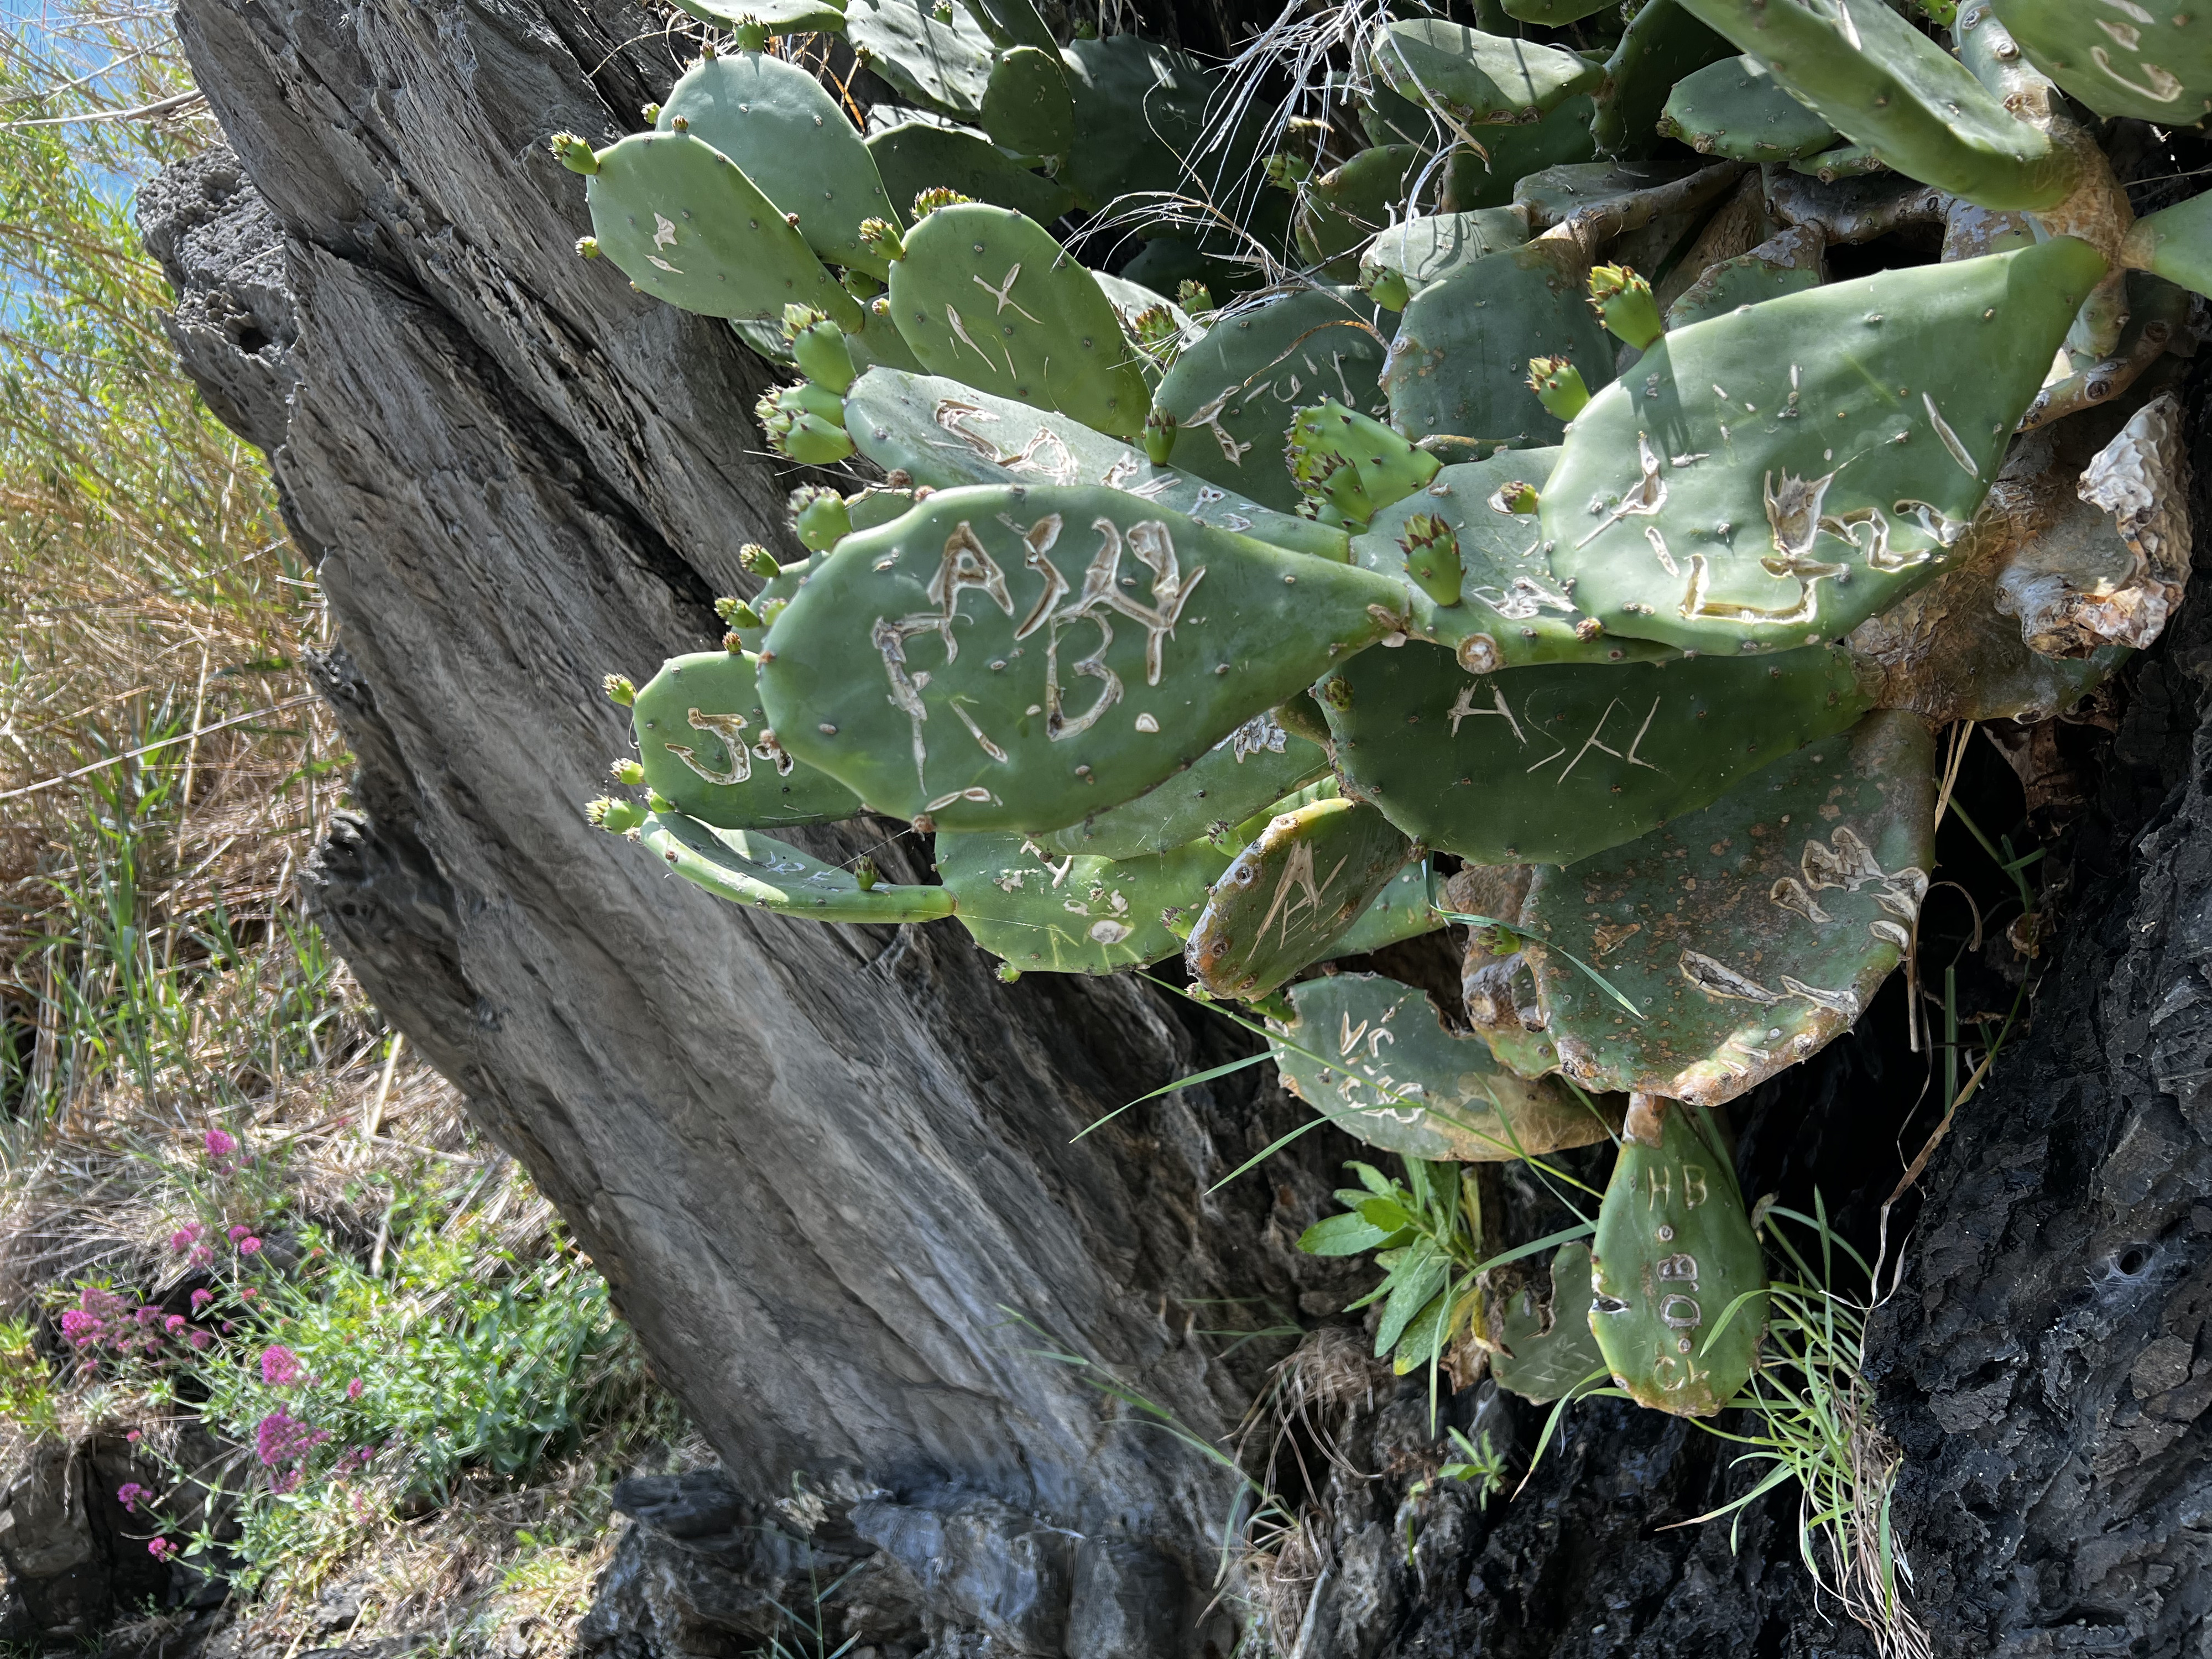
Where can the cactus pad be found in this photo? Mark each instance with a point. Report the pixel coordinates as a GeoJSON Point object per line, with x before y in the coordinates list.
{"type": "Point", "coordinates": [2151, 65]}
{"type": "Point", "coordinates": [1070, 914]}
{"type": "Point", "coordinates": [774, 120]}
{"type": "Point", "coordinates": [986, 295]}
{"type": "Point", "coordinates": [1511, 154]}
{"type": "Point", "coordinates": [706, 747]}
{"type": "Point", "coordinates": [1026, 107]}
{"type": "Point", "coordinates": [1293, 894]}
{"type": "Point", "coordinates": [1548, 765]}
{"type": "Point", "coordinates": [914, 156]}
{"type": "Point", "coordinates": [1735, 108]}
{"type": "Point", "coordinates": [1749, 933]}
{"type": "Point", "coordinates": [1233, 392]}
{"type": "Point", "coordinates": [747, 868]}
{"type": "Point", "coordinates": [943, 433]}
{"type": "Point", "coordinates": [1401, 911]}
{"type": "Point", "coordinates": [1430, 247]}
{"type": "Point", "coordinates": [1773, 478]}
{"type": "Point", "coordinates": [943, 62]}
{"type": "Point", "coordinates": [1140, 106]}
{"type": "Point", "coordinates": [1473, 77]}
{"type": "Point", "coordinates": [776, 17]}
{"type": "Point", "coordinates": [1459, 364]}
{"type": "Point", "coordinates": [1370, 1054]}
{"type": "Point", "coordinates": [1511, 611]}
{"type": "Point", "coordinates": [1248, 771]}
{"type": "Point", "coordinates": [1016, 658]}
{"type": "Point", "coordinates": [1547, 1349]}
{"type": "Point", "coordinates": [683, 221]}
{"type": "Point", "coordinates": [1673, 1251]}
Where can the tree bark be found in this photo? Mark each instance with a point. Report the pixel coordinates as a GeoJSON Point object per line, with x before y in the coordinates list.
{"type": "Point", "coordinates": [829, 1172]}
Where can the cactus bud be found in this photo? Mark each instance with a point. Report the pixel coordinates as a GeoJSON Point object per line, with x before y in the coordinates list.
{"type": "Point", "coordinates": [1387, 288]}
{"type": "Point", "coordinates": [1559, 385]}
{"type": "Point", "coordinates": [861, 285]}
{"type": "Point", "coordinates": [806, 422]}
{"type": "Point", "coordinates": [752, 37]}
{"type": "Point", "coordinates": [616, 817]}
{"type": "Point", "coordinates": [865, 874]}
{"type": "Point", "coordinates": [619, 689]}
{"type": "Point", "coordinates": [659, 802]}
{"type": "Point", "coordinates": [1623, 304]}
{"type": "Point", "coordinates": [707, 52]}
{"type": "Point", "coordinates": [769, 611]}
{"type": "Point", "coordinates": [680, 123]}
{"type": "Point", "coordinates": [1514, 495]}
{"type": "Point", "coordinates": [576, 155]}
{"type": "Point", "coordinates": [1008, 972]}
{"type": "Point", "coordinates": [1193, 296]}
{"type": "Point", "coordinates": [819, 515]}
{"type": "Point", "coordinates": [1159, 436]}
{"type": "Point", "coordinates": [758, 560]}
{"type": "Point", "coordinates": [936, 197]}
{"type": "Point", "coordinates": [1287, 172]}
{"type": "Point", "coordinates": [734, 643]}
{"type": "Point", "coordinates": [737, 613]}
{"type": "Point", "coordinates": [627, 772]}
{"type": "Point", "coordinates": [1348, 466]}
{"type": "Point", "coordinates": [881, 236]}
{"type": "Point", "coordinates": [651, 114]}
{"type": "Point", "coordinates": [819, 346]}
{"type": "Point", "coordinates": [1431, 549]}
{"type": "Point", "coordinates": [588, 247]}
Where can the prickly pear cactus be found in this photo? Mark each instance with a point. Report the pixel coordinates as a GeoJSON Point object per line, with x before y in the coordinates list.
{"type": "Point", "coordinates": [1593, 578]}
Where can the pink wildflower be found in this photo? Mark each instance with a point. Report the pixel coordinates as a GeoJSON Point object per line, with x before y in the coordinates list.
{"type": "Point", "coordinates": [352, 1389]}
{"type": "Point", "coordinates": [134, 1437]}
{"type": "Point", "coordinates": [128, 1493]}
{"type": "Point", "coordinates": [236, 1233]}
{"type": "Point", "coordinates": [282, 1438]}
{"type": "Point", "coordinates": [174, 1323]}
{"type": "Point", "coordinates": [247, 1295]}
{"type": "Point", "coordinates": [280, 1366]}
{"type": "Point", "coordinates": [199, 1340]}
{"type": "Point", "coordinates": [201, 1299]}
{"type": "Point", "coordinates": [228, 1327]}
{"type": "Point", "coordinates": [248, 1246]}
{"type": "Point", "coordinates": [81, 1328]}
{"type": "Point", "coordinates": [186, 1236]}
{"type": "Point", "coordinates": [220, 1145]}
{"type": "Point", "coordinates": [162, 1550]}
{"type": "Point", "coordinates": [202, 1255]}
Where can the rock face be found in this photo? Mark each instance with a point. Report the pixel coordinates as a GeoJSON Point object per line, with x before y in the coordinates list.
{"type": "Point", "coordinates": [830, 1173]}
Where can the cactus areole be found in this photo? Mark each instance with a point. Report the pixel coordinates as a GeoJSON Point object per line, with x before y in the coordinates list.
{"type": "Point", "coordinates": [1499, 516]}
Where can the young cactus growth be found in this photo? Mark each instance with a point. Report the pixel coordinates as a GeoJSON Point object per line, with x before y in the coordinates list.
{"type": "Point", "coordinates": [746, 867]}
{"type": "Point", "coordinates": [820, 517]}
{"type": "Point", "coordinates": [620, 690]}
{"type": "Point", "coordinates": [616, 817]}
{"type": "Point", "coordinates": [1349, 465]}
{"type": "Point", "coordinates": [805, 423]}
{"type": "Point", "coordinates": [820, 348]}
{"type": "Point", "coordinates": [1623, 304]}
{"type": "Point", "coordinates": [1546, 1348]}
{"type": "Point", "coordinates": [1431, 549]}
{"type": "Point", "coordinates": [1558, 386]}
{"type": "Point", "coordinates": [1159, 437]}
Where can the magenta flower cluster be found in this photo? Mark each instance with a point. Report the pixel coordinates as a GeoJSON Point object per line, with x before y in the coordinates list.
{"type": "Point", "coordinates": [282, 1438]}
{"type": "Point", "coordinates": [106, 1325]}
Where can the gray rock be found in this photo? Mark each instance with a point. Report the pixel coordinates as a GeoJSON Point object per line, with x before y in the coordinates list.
{"type": "Point", "coordinates": [687, 1505]}
{"type": "Point", "coordinates": [981, 1564]}
{"type": "Point", "coordinates": [1129, 1602]}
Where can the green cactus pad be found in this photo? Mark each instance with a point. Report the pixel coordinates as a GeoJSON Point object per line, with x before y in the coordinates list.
{"type": "Point", "coordinates": [1509, 154]}
{"type": "Point", "coordinates": [1738, 110]}
{"type": "Point", "coordinates": [1342, 208]}
{"type": "Point", "coordinates": [1026, 107]}
{"type": "Point", "coordinates": [1663, 44]}
{"type": "Point", "coordinates": [704, 744]}
{"type": "Point", "coordinates": [1552, 13]}
{"type": "Point", "coordinates": [2176, 243]}
{"type": "Point", "coordinates": [1429, 248]}
{"type": "Point", "coordinates": [1511, 611]}
{"type": "Point", "coordinates": [1548, 765]}
{"type": "Point", "coordinates": [775, 121]}
{"type": "Point", "coordinates": [1459, 365]}
{"type": "Point", "coordinates": [1673, 1251]}
{"type": "Point", "coordinates": [1476, 78]}
{"type": "Point", "coordinates": [1400, 912]}
{"type": "Point", "coordinates": [1559, 193]}
{"type": "Point", "coordinates": [747, 868]}
{"type": "Point", "coordinates": [1881, 83]}
{"type": "Point", "coordinates": [1141, 108]}
{"type": "Point", "coordinates": [775, 592]}
{"type": "Point", "coordinates": [1547, 1348]}
{"type": "Point", "coordinates": [1773, 478]}
{"type": "Point", "coordinates": [776, 17]}
{"type": "Point", "coordinates": [1108, 643]}
{"type": "Point", "coordinates": [1071, 914]}
{"type": "Point", "coordinates": [1233, 392]}
{"type": "Point", "coordinates": [683, 221]}
{"type": "Point", "coordinates": [1750, 933]}
{"type": "Point", "coordinates": [914, 156]}
{"type": "Point", "coordinates": [943, 433]}
{"type": "Point", "coordinates": [942, 62]}
{"type": "Point", "coordinates": [1749, 279]}
{"type": "Point", "coordinates": [2153, 64]}
{"type": "Point", "coordinates": [1371, 1055]}
{"type": "Point", "coordinates": [1293, 894]}
{"type": "Point", "coordinates": [986, 295]}
{"type": "Point", "coordinates": [1248, 771]}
